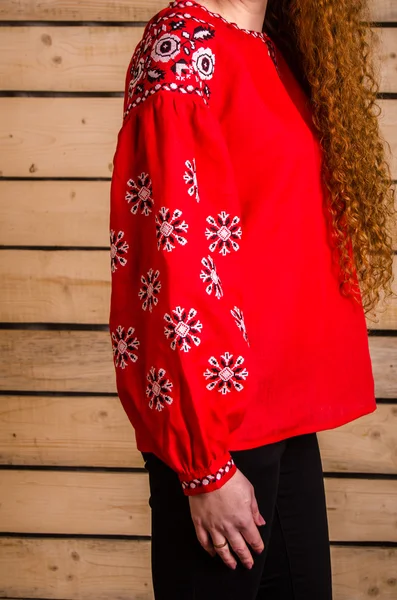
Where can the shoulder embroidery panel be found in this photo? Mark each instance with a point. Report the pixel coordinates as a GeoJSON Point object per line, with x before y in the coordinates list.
{"type": "Point", "coordinates": [173, 55]}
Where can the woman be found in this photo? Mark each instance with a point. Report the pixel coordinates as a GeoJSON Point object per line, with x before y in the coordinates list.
{"type": "Point", "coordinates": [249, 171]}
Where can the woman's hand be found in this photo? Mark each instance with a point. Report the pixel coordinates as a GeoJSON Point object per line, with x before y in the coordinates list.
{"type": "Point", "coordinates": [231, 513]}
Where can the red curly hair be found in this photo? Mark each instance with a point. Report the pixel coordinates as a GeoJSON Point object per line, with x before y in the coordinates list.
{"type": "Point", "coordinates": [330, 47]}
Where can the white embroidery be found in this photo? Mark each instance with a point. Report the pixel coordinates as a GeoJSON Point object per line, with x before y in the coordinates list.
{"type": "Point", "coordinates": [150, 290]}
{"type": "Point", "coordinates": [140, 195]}
{"type": "Point", "coordinates": [224, 375]}
{"type": "Point", "coordinates": [210, 478]}
{"type": "Point", "coordinates": [124, 345]}
{"type": "Point", "coordinates": [203, 61]}
{"type": "Point", "coordinates": [182, 329]}
{"type": "Point", "coordinates": [118, 249]}
{"type": "Point", "coordinates": [166, 47]}
{"type": "Point", "coordinates": [239, 318]}
{"type": "Point", "coordinates": [158, 388]}
{"type": "Point", "coordinates": [209, 275]}
{"type": "Point", "coordinates": [190, 178]}
{"type": "Point", "coordinates": [169, 229]}
{"type": "Point", "coordinates": [224, 233]}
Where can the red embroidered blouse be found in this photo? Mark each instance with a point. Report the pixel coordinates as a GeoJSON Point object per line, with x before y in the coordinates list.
{"type": "Point", "coordinates": [227, 324]}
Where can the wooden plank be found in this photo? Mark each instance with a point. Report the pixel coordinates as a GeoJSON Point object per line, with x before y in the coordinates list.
{"type": "Point", "coordinates": [73, 503]}
{"type": "Point", "coordinates": [55, 213]}
{"type": "Point", "coordinates": [90, 58]}
{"type": "Point", "coordinates": [78, 569]}
{"type": "Point", "coordinates": [36, 142]}
{"type": "Point", "coordinates": [91, 569]}
{"type": "Point", "coordinates": [66, 59]}
{"type": "Point", "coordinates": [42, 430]}
{"type": "Point", "coordinates": [55, 287]}
{"type": "Point", "coordinates": [59, 213]}
{"type": "Point", "coordinates": [365, 445]}
{"type": "Point", "coordinates": [74, 287]}
{"type": "Point", "coordinates": [363, 573]}
{"type": "Point", "coordinates": [73, 10]}
{"type": "Point", "coordinates": [81, 361]}
{"type": "Point", "coordinates": [122, 10]}
{"type": "Point", "coordinates": [386, 58]}
{"type": "Point", "coordinates": [78, 503]}
{"type": "Point", "coordinates": [58, 137]}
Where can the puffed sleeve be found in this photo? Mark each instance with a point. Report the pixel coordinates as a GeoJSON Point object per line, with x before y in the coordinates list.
{"type": "Point", "coordinates": [180, 346]}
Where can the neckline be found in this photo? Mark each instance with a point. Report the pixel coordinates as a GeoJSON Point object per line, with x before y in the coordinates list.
{"type": "Point", "coordinates": [189, 3]}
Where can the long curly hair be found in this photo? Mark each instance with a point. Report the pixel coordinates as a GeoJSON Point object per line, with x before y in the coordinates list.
{"type": "Point", "coordinates": [330, 46]}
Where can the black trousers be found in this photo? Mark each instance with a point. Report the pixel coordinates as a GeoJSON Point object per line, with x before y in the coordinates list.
{"type": "Point", "coordinates": [295, 565]}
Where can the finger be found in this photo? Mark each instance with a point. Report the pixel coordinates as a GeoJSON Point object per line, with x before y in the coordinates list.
{"type": "Point", "coordinates": [252, 535]}
{"type": "Point", "coordinates": [239, 546]}
{"type": "Point", "coordinates": [224, 552]}
{"type": "Point", "coordinates": [259, 520]}
{"type": "Point", "coordinates": [205, 539]}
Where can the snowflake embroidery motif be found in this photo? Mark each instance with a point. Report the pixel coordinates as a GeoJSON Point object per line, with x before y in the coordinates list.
{"type": "Point", "coordinates": [150, 290]}
{"type": "Point", "coordinates": [209, 275]}
{"type": "Point", "coordinates": [124, 345]}
{"type": "Point", "coordinates": [239, 318]}
{"type": "Point", "coordinates": [226, 374]}
{"type": "Point", "coordinates": [158, 388]}
{"type": "Point", "coordinates": [140, 195]}
{"type": "Point", "coordinates": [223, 232]}
{"type": "Point", "coordinates": [169, 229]}
{"type": "Point", "coordinates": [182, 329]}
{"type": "Point", "coordinates": [118, 249]}
{"type": "Point", "coordinates": [190, 178]}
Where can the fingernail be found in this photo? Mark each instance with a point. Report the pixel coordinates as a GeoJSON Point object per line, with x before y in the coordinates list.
{"type": "Point", "coordinates": [262, 520]}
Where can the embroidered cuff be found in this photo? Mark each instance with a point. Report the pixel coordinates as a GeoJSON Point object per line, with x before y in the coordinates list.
{"type": "Point", "coordinates": [211, 481]}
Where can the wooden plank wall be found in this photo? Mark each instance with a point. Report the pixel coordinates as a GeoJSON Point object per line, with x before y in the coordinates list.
{"type": "Point", "coordinates": [74, 517]}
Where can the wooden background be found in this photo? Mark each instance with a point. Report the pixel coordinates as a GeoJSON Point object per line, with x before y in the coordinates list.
{"type": "Point", "coordinates": [74, 517]}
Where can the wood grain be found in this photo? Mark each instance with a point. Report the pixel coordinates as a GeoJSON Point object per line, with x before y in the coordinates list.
{"type": "Point", "coordinates": [92, 569]}
{"type": "Point", "coordinates": [117, 504]}
{"type": "Point", "coordinates": [59, 213]}
{"type": "Point", "coordinates": [43, 430]}
{"type": "Point", "coordinates": [55, 213]}
{"type": "Point", "coordinates": [36, 142]}
{"type": "Point", "coordinates": [122, 10]}
{"type": "Point", "coordinates": [81, 59]}
{"type": "Point", "coordinates": [58, 137]}
{"type": "Point", "coordinates": [55, 287]}
{"type": "Point", "coordinates": [66, 59]}
{"type": "Point", "coordinates": [81, 361]}
{"type": "Point", "coordinates": [76, 569]}
{"type": "Point", "coordinates": [74, 287]}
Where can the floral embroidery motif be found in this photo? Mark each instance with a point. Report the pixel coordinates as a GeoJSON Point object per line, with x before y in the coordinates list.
{"type": "Point", "coordinates": [210, 478]}
{"type": "Point", "coordinates": [172, 56]}
{"type": "Point", "coordinates": [158, 388]}
{"type": "Point", "coordinates": [182, 329]}
{"type": "Point", "coordinates": [226, 374]}
{"type": "Point", "coordinates": [203, 61]}
{"type": "Point", "coordinates": [209, 275]}
{"type": "Point", "coordinates": [224, 232]}
{"type": "Point", "coordinates": [239, 318]}
{"type": "Point", "coordinates": [150, 290]}
{"type": "Point", "coordinates": [166, 47]}
{"type": "Point", "coordinates": [169, 229]}
{"type": "Point", "coordinates": [124, 345]}
{"type": "Point", "coordinates": [190, 178]}
{"type": "Point", "coordinates": [118, 249]}
{"type": "Point", "coordinates": [140, 195]}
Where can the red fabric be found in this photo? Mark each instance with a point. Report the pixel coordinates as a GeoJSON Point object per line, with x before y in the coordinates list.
{"type": "Point", "coordinates": [227, 324]}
